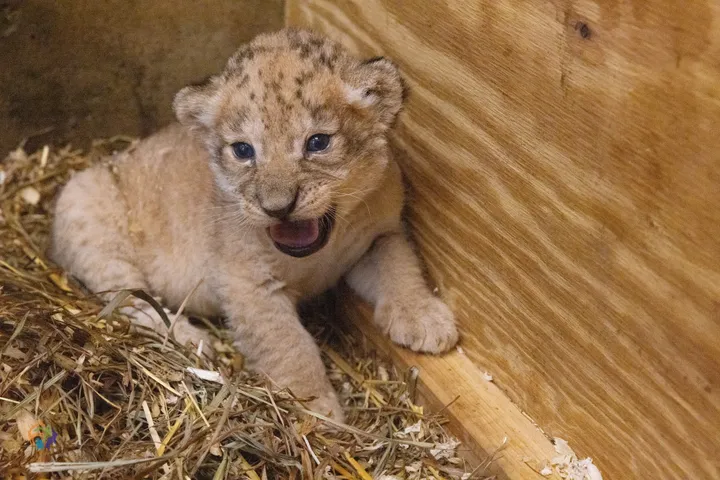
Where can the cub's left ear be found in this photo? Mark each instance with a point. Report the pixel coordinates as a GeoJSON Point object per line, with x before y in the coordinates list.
{"type": "Point", "coordinates": [377, 85]}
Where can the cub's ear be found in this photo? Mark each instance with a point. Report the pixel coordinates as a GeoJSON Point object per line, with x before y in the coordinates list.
{"type": "Point", "coordinates": [196, 105]}
{"type": "Point", "coordinates": [378, 85]}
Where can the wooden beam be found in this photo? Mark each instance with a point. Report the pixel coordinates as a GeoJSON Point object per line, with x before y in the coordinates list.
{"type": "Point", "coordinates": [479, 413]}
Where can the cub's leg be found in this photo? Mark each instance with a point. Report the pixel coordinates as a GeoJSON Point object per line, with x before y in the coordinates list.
{"type": "Point", "coordinates": [389, 276]}
{"type": "Point", "coordinates": [268, 332]}
{"type": "Point", "coordinates": [90, 240]}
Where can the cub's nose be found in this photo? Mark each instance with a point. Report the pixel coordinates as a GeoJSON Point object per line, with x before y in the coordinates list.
{"type": "Point", "coordinates": [279, 212]}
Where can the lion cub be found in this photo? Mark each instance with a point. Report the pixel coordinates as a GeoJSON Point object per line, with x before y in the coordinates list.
{"type": "Point", "coordinates": [277, 181]}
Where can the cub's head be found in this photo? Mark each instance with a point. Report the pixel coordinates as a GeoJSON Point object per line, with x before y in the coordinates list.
{"type": "Point", "coordinates": [297, 133]}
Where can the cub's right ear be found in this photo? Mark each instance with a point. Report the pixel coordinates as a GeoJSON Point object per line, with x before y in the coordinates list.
{"type": "Point", "coordinates": [196, 105]}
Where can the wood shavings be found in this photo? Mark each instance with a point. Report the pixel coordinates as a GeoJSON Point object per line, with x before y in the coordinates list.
{"type": "Point", "coordinates": [30, 196]}
{"type": "Point", "coordinates": [25, 422]}
{"type": "Point", "coordinates": [406, 432]}
{"type": "Point", "coordinates": [444, 450]}
{"type": "Point", "coordinates": [414, 467]}
{"type": "Point", "coordinates": [569, 467]}
{"type": "Point", "coordinates": [209, 375]}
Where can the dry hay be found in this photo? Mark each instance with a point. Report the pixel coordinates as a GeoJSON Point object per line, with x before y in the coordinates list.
{"type": "Point", "coordinates": [130, 406]}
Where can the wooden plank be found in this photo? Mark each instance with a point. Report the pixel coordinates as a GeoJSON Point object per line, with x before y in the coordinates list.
{"type": "Point", "coordinates": [565, 164]}
{"type": "Point", "coordinates": [480, 414]}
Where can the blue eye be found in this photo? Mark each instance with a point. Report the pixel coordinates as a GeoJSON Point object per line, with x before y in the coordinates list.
{"type": "Point", "coordinates": [318, 142]}
{"type": "Point", "coordinates": [243, 150]}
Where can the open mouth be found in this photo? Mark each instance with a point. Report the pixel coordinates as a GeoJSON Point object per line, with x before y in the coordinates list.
{"type": "Point", "coordinates": [303, 237]}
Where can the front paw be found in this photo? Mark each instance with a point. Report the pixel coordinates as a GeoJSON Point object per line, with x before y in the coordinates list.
{"type": "Point", "coordinates": [423, 324]}
{"type": "Point", "coordinates": [327, 404]}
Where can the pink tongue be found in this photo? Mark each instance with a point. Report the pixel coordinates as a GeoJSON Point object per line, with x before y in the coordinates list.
{"type": "Point", "coordinates": [295, 234]}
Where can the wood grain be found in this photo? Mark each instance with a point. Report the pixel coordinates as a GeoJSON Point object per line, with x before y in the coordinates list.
{"type": "Point", "coordinates": [565, 164]}
{"type": "Point", "coordinates": [488, 424]}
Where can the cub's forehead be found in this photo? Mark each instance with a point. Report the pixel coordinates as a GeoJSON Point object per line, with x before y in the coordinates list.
{"type": "Point", "coordinates": [284, 82]}
{"type": "Point", "coordinates": [300, 47]}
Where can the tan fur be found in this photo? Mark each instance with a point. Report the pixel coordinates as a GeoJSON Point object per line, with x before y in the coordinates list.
{"type": "Point", "coordinates": [179, 208]}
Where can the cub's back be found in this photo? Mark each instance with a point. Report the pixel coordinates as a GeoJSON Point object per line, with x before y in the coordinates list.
{"type": "Point", "coordinates": [168, 188]}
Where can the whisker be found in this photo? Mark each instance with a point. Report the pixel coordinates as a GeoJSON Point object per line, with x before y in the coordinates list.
{"type": "Point", "coordinates": [355, 196]}
{"type": "Point", "coordinates": [337, 217]}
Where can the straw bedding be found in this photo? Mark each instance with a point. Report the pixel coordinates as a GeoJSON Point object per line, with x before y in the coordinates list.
{"type": "Point", "coordinates": [82, 398]}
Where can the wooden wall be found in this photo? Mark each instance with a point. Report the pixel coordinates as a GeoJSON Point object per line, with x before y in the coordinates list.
{"type": "Point", "coordinates": [565, 160]}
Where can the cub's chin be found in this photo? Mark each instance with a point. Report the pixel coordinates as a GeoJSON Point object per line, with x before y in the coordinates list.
{"type": "Point", "coordinates": [302, 238]}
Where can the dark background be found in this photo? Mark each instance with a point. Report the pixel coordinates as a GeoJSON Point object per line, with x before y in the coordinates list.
{"type": "Point", "coordinates": [96, 68]}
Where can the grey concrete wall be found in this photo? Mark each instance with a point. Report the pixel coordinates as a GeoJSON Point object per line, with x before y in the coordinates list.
{"type": "Point", "coordinates": [95, 68]}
